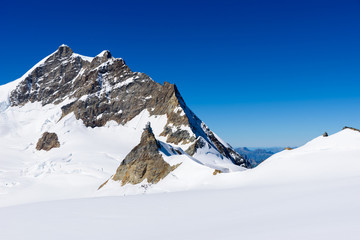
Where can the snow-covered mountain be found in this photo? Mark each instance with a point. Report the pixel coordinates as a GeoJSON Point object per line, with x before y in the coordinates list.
{"type": "Point", "coordinates": [68, 123]}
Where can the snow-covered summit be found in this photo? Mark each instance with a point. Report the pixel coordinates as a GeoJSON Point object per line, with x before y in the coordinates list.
{"type": "Point", "coordinates": [106, 89]}
{"type": "Point", "coordinates": [98, 107]}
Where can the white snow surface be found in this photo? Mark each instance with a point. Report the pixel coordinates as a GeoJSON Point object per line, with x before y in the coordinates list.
{"type": "Point", "coordinates": [311, 192]}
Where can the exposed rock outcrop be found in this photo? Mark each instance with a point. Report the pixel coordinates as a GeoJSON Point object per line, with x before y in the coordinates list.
{"type": "Point", "coordinates": [143, 162]}
{"type": "Point", "coordinates": [48, 141]}
{"type": "Point", "coordinates": [216, 172]}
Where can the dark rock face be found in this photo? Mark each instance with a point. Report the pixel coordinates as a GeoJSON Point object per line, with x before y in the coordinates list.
{"type": "Point", "coordinates": [50, 82]}
{"type": "Point", "coordinates": [199, 143]}
{"type": "Point", "coordinates": [48, 141]}
{"type": "Point", "coordinates": [104, 88]}
{"type": "Point", "coordinates": [143, 162]}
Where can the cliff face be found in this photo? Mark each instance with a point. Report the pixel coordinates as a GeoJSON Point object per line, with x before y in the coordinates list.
{"type": "Point", "coordinates": [104, 88]}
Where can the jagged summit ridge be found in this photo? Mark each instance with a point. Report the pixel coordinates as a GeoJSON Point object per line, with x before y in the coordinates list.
{"type": "Point", "coordinates": [102, 89]}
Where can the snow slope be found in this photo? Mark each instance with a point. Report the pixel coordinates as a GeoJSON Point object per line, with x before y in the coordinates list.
{"type": "Point", "coordinates": [307, 193]}
{"type": "Point", "coordinates": [299, 194]}
{"type": "Point", "coordinates": [87, 156]}
{"type": "Point", "coordinates": [276, 212]}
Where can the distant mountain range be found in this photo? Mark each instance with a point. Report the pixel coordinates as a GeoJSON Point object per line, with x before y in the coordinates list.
{"type": "Point", "coordinates": [258, 155]}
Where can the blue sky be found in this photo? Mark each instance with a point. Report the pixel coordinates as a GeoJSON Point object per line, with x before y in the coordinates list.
{"type": "Point", "coordinates": [259, 73]}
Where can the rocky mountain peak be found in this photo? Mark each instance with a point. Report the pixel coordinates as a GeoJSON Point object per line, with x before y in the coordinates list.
{"type": "Point", "coordinates": [63, 51]}
{"type": "Point", "coordinates": [148, 145]}
{"type": "Point", "coordinates": [104, 88]}
{"type": "Point", "coordinates": [105, 54]}
{"type": "Point", "coordinates": [144, 162]}
{"type": "Point", "coordinates": [105, 59]}
{"type": "Point", "coordinates": [148, 138]}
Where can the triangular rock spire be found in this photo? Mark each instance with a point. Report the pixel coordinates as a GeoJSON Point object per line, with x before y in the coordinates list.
{"type": "Point", "coordinates": [144, 162]}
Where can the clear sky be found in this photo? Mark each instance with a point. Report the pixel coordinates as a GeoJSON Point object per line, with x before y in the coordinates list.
{"type": "Point", "coordinates": [259, 73]}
